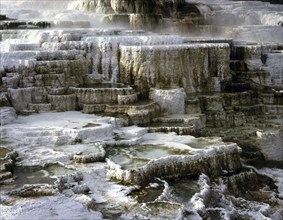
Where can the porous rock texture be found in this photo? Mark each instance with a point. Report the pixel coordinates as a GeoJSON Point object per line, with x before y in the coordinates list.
{"type": "Point", "coordinates": [8, 115]}
{"type": "Point", "coordinates": [219, 74]}
{"type": "Point", "coordinates": [196, 67]}
{"type": "Point", "coordinates": [212, 162]}
{"type": "Point", "coordinates": [148, 15]}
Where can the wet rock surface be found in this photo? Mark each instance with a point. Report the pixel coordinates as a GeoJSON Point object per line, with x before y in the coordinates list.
{"type": "Point", "coordinates": [7, 161]}
{"type": "Point", "coordinates": [178, 160]}
{"type": "Point", "coordinates": [212, 70]}
{"type": "Point", "coordinates": [8, 115]}
{"type": "Point", "coordinates": [34, 190]}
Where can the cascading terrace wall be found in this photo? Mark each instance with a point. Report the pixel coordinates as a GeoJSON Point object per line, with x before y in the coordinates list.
{"type": "Point", "coordinates": [130, 6]}
{"type": "Point", "coordinates": [196, 67]}
{"type": "Point", "coordinates": [160, 61]}
{"type": "Point", "coordinates": [149, 15]}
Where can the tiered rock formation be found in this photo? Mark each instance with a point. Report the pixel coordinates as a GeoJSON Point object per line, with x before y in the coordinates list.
{"type": "Point", "coordinates": [148, 15]}
{"type": "Point", "coordinates": [63, 70]}
{"type": "Point", "coordinates": [212, 162]}
{"type": "Point", "coordinates": [229, 86]}
{"type": "Point", "coordinates": [7, 160]}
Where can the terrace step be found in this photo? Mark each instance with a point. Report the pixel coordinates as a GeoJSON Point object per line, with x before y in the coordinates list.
{"type": "Point", "coordinates": [261, 77]}
{"type": "Point", "coordinates": [127, 99]}
{"type": "Point", "coordinates": [98, 95]}
{"type": "Point", "coordinates": [5, 175]}
{"type": "Point", "coordinates": [22, 46]}
{"type": "Point", "coordinates": [58, 55]}
{"type": "Point", "coordinates": [274, 109]}
{"type": "Point", "coordinates": [192, 106]}
{"type": "Point", "coordinates": [73, 70]}
{"type": "Point", "coordinates": [190, 124]}
{"type": "Point", "coordinates": [8, 34]}
{"type": "Point", "coordinates": [250, 109]}
{"type": "Point", "coordinates": [65, 45]}
{"type": "Point", "coordinates": [139, 113]}
{"type": "Point", "coordinates": [13, 24]}
{"type": "Point", "coordinates": [197, 120]}
{"type": "Point", "coordinates": [3, 17]}
{"type": "Point", "coordinates": [43, 107]}
{"type": "Point", "coordinates": [70, 24]}
{"type": "Point", "coordinates": [62, 102]}
{"type": "Point", "coordinates": [55, 80]}
{"type": "Point", "coordinates": [267, 98]}
{"type": "Point", "coordinates": [238, 65]}
{"type": "Point", "coordinates": [185, 130]}
{"type": "Point", "coordinates": [236, 87]}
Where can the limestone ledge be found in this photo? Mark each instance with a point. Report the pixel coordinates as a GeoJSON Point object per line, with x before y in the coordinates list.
{"type": "Point", "coordinates": [191, 124]}
{"type": "Point", "coordinates": [270, 144]}
{"type": "Point", "coordinates": [82, 157]}
{"type": "Point", "coordinates": [7, 115]}
{"type": "Point", "coordinates": [148, 15]}
{"type": "Point", "coordinates": [213, 162]}
{"type": "Point", "coordinates": [58, 136]}
{"type": "Point", "coordinates": [180, 130]}
{"type": "Point", "coordinates": [99, 95]}
{"type": "Point", "coordinates": [134, 113]}
{"type": "Point", "coordinates": [187, 65]}
{"type": "Point", "coordinates": [62, 103]}
{"type": "Point", "coordinates": [171, 101]}
{"type": "Point", "coordinates": [7, 160]}
{"type": "Point", "coordinates": [33, 190]}
{"type": "Point", "coordinates": [105, 50]}
{"type": "Point", "coordinates": [127, 99]}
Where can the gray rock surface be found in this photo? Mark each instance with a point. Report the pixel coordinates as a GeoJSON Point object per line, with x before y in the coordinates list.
{"type": "Point", "coordinates": [8, 115]}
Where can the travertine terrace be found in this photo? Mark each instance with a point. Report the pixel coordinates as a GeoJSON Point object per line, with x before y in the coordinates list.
{"type": "Point", "coordinates": [128, 109]}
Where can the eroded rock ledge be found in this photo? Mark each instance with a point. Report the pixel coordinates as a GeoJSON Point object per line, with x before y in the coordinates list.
{"type": "Point", "coordinates": [150, 14]}
{"type": "Point", "coordinates": [213, 162]}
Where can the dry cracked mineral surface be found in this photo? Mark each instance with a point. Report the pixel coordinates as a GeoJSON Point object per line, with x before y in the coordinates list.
{"type": "Point", "coordinates": [130, 109]}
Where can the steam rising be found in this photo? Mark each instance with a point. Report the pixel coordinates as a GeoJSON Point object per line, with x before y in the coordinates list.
{"type": "Point", "coordinates": [245, 20]}
{"type": "Point", "coordinates": [242, 20]}
{"type": "Point", "coordinates": [55, 10]}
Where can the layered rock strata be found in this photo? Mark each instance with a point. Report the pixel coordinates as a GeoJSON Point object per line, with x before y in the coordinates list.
{"type": "Point", "coordinates": [212, 162]}
{"type": "Point", "coordinates": [7, 161]}
{"type": "Point", "coordinates": [189, 66]}
{"type": "Point", "coordinates": [149, 15]}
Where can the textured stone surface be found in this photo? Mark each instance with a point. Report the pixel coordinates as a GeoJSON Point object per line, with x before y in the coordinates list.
{"type": "Point", "coordinates": [4, 100]}
{"type": "Point", "coordinates": [270, 144]}
{"type": "Point", "coordinates": [196, 67]}
{"type": "Point", "coordinates": [62, 103]}
{"type": "Point", "coordinates": [7, 160]}
{"type": "Point", "coordinates": [34, 190]}
{"type": "Point", "coordinates": [127, 99]}
{"type": "Point", "coordinates": [8, 115]}
{"type": "Point", "coordinates": [228, 60]}
{"type": "Point", "coordinates": [211, 162]}
{"type": "Point", "coordinates": [87, 157]}
{"type": "Point", "coordinates": [99, 95]}
{"type": "Point", "coordinates": [148, 15]}
{"type": "Point", "coordinates": [171, 101]}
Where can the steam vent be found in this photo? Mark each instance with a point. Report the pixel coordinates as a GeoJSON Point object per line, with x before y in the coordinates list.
{"type": "Point", "coordinates": [141, 109]}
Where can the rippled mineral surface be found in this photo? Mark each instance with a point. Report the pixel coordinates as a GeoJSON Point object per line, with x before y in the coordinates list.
{"type": "Point", "coordinates": [154, 109]}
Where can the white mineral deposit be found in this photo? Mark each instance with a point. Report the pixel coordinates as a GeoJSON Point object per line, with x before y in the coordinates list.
{"type": "Point", "coordinates": [130, 109]}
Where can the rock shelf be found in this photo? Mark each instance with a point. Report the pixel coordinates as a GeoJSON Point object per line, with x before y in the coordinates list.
{"type": "Point", "coordinates": [177, 161]}
{"type": "Point", "coordinates": [7, 160]}
{"type": "Point", "coordinates": [149, 101]}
